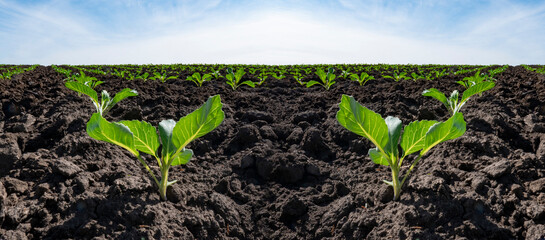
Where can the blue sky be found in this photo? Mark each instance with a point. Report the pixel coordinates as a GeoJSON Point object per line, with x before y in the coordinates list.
{"type": "Point", "coordinates": [272, 31]}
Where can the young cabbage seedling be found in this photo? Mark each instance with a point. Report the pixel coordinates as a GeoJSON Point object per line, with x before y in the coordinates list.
{"type": "Point", "coordinates": [216, 73]}
{"type": "Point", "coordinates": [468, 82]}
{"type": "Point", "coordinates": [143, 76]}
{"type": "Point", "coordinates": [453, 103]}
{"type": "Point", "coordinates": [279, 77]}
{"type": "Point", "coordinates": [233, 79]}
{"type": "Point", "coordinates": [262, 78]}
{"type": "Point", "coordinates": [415, 76]}
{"type": "Point", "coordinates": [198, 80]}
{"type": "Point", "coordinates": [328, 79]}
{"type": "Point", "coordinates": [163, 77]}
{"type": "Point", "coordinates": [361, 79]}
{"type": "Point", "coordinates": [298, 77]}
{"type": "Point", "coordinates": [345, 73]}
{"type": "Point", "coordinates": [89, 81]}
{"type": "Point", "coordinates": [106, 102]}
{"type": "Point", "coordinates": [397, 76]}
{"type": "Point", "coordinates": [139, 136]}
{"type": "Point", "coordinates": [386, 135]}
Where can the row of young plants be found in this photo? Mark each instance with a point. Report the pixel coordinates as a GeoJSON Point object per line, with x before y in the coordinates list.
{"type": "Point", "coordinates": [537, 69]}
{"type": "Point", "coordinates": [167, 143]}
{"type": "Point", "coordinates": [257, 75]}
{"type": "Point", "coordinates": [7, 72]}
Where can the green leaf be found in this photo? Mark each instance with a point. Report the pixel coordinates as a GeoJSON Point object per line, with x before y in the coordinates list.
{"type": "Point", "coordinates": [206, 77]}
{"type": "Point", "coordinates": [82, 88]}
{"type": "Point", "coordinates": [377, 157]}
{"type": "Point", "coordinates": [362, 121]}
{"type": "Point", "coordinates": [355, 77]}
{"type": "Point", "coordinates": [198, 123]}
{"type": "Point", "coordinates": [331, 76]}
{"type": "Point", "coordinates": [230, 77]}
{"type": "Point", "coordinates": [321, 74]}
{"type": "Point", "coordinates": [145, 136]}
{"type": "Point", "coordinates": [477, 88]}
{"type": "Point", "coordinates": [239, 74]}
{"type": "Point", "coordinates": [434, 93]}
{"type": "Point", "coordinates": [115, 133]}
{"type": "Point", "coordinates": [183, 157]}
{"type": "Point", "coordinates": [463, 83]}
{"type": "Point", "coordinates": [394, 132]}
{"type": "Point", "coordinates": [166, 128]}
{"type": "Point", "coordinates": [249, 83]}
{"type": "Point", "coordinates": [125, 93]}
{"type": "Point", "coordinates": [453, 128]}
{"type": "Point", "coordinates": [312, 83]}
{"type": "Point", "coordinates": [97, 83]}
{"type": "Point", "coordinates": [414, 135]}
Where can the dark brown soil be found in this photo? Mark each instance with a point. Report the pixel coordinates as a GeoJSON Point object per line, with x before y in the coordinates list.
{"type": "Point", "coordinates": [278, 167]}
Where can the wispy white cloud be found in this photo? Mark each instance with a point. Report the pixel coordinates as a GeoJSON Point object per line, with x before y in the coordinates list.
{"type": "Point", "coordinates": [272, 32]}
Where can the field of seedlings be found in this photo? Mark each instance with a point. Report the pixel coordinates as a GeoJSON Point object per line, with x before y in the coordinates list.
{"type": "Point", "coordinates": [272, 152]}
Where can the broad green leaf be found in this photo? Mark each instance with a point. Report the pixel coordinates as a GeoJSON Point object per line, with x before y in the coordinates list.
{"type": "Point", "coordinates": [182, 158]}
{"type": "Point", "coordinates": [434, 93]}
{"type": "Point", "coordinates": [329, 84]}
{"type": "Point", "coordinates": [377, 157]}
{"type": "Point", "coordinates": [230, 77]}
{"type": "Point", "coordinates": [166, 128]}
{"type": "Point", "coordinates": [125, 93]}
{"type": "Point", "coordinates": [239, 74]}
{"type": "Point", "coordinates": [82, 88]}
{"type": "Point", "coordinates": [331, 77]}
{"type": "Point", "coordinates": [414, 135]}
{"type": "Point", "coordinates": [355, 77]}
{"type": "Point", "coordinates": [394, 132]}
{"type": "Point", "coordinates": [478, 88]}
{"type": "Point", "coordinates": [206, 77]}
{"type": "Point", "coordinates": [463, 83]}
{"type": "Point", "coordinates": [145, 136]}
{"type": "Point", "coordinates": [249, 83]}
{"type": "Point", "coordinates": [321, 74]}
{"type": "Point", "coordinates": [115, 133]}
{"type": "Point", "coordinates": [231, 84]}
{"type": "Point", "coordinates": [312, 83]}
{"type": "Point", "coordinates": [453, 128]}
{"type": "Point", "coordinates": [362, 121]}
{"type": "Point", "coordinates": [198, 123]}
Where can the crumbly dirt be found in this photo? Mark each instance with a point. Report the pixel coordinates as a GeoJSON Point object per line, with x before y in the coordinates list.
{"type": "Point", "coordinates": [279, 166]}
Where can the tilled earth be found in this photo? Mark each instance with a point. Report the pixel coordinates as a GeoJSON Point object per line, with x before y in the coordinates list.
{"type": "Point", "coordinates": [279, 166]}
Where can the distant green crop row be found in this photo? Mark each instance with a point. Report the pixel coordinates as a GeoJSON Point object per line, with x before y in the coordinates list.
{"type": "Point", "coordinates": [540, 70]}
{"type": "Point", "coordinates": [256, 75]}
{"type": "Point", "coordinates": [9, 71]}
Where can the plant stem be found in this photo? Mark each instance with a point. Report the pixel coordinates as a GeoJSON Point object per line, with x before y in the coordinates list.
{"type": "Point", "coordinates": [164, 183]}
{"type": "Point", "coordinates": [395, 183]}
